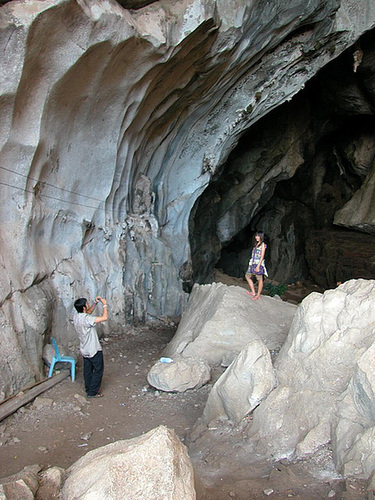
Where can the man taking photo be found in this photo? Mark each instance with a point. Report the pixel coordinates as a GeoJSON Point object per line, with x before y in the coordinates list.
{"type": "Point", "coordinates": [91, 350]}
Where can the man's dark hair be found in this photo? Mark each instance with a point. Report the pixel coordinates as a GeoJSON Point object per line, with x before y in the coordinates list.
{"type": "Point", "coordinates": [79, 304]}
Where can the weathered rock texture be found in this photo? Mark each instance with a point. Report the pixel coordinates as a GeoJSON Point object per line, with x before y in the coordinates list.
{"type": "Point", "coordinates": [153, 466]}
{"type": "Point", "coordinates": [354, 425]}
{"type": "Point", "coordinates": [179, 375]}
{"type": "Point", "coordinates": [50, 483]}
{"type": "Point", "coordinates": [23, 485]}
{"type": "Point", "coordinates": [245, 383]}
{"type": "Point", "coordinates": [221, 320]}
{"type": "Point", "coordinates": [337, 256]}
{"type": "Point", "coordinates": [358, 212]}
{"type": "Point", "coordinates": [114, 122]}
{"type": "Point", "coordinates": [326, 388]}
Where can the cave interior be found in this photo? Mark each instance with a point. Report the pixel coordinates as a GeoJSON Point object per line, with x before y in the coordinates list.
{"type": "Point", "coordinates": [319, 151]}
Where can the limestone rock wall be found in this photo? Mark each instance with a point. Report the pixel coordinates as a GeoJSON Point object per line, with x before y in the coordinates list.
{"type": "Point", "coordinates": [113, 122]}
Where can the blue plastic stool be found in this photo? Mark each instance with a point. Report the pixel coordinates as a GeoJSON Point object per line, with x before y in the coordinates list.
{"type": "Point", "coordinates": [61, 359]}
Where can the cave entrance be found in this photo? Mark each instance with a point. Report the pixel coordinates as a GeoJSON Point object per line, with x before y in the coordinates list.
{"type": "Point", "coordinates": [289, 176]}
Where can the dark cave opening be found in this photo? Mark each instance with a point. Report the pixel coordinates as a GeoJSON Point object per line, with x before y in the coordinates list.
{"type": "Point", "coordinates": [288, 176]}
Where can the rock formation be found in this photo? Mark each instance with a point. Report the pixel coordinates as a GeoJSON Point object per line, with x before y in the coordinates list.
{"type": "Point", "coordinates": [152, 466]}
{"type": "Point", "coordinates": [223, 326]}
{"type": "Point", "coordinates": [116, 119]}
{"type": "Point", "coordinates": [180, 374]}
{"type": "Point", "coordinates": [323, 400]}
{"type": "Point", "coordinates": [221, 320]}
{"type": "Point", "coordinates": [23, 485]}
{"type": "Point", "coordinates": [325, 136]}
{"type": "Point", "coordinates": [241, 388]}
{"type": "Point", "coordinates": [325, 382]}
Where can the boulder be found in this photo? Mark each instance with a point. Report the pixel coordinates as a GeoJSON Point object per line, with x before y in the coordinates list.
{"type": "Point", "coordinates": [51, 481]}
{"type": "Point", "coordinates": [329, 341]}
{"type": "Point", "coordinates": [248, 380]}
{"type": "Point", "coordinates": [18, 490]}
{"type": "Point", "coordinates": [42, 402]}
{"type": "Point", "coordinates": [221, 320]}
{"type": "Point", "coordinates": [154, 466]}
{"type": "Point", "coordinates": [21, 486]}
{"type": "Point", "coordinates": [180, 375]}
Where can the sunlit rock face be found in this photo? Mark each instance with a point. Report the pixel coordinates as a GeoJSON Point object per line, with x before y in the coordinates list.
{"type": "Point", "coordinates": [114, 122]}
{"type": "Point", "coordinates": [325, 391]}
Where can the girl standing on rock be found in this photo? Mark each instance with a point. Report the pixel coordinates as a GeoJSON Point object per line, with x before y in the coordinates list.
{"type": "Point", "coordinates": [257, 266]}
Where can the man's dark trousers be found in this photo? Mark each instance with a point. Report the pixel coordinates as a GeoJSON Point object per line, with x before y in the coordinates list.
{"type": "Point", "coordinates": [93, 369]}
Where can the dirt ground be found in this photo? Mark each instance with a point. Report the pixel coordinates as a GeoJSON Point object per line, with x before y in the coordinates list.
{"type": "Point", "coordinates": [61, 425]}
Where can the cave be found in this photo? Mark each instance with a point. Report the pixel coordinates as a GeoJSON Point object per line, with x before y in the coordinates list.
{"type": "Point", "coordinates": [318, 151]}
{"type": "Point", "coordinates": [137, 158]}
{"type": "Point", "coordinates": [144, 142]}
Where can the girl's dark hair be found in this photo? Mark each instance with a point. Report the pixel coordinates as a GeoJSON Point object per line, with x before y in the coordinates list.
{"type": "Point", "coordinates": [261, 235]}
{"type": "Point", "coordinates": [79, 304]}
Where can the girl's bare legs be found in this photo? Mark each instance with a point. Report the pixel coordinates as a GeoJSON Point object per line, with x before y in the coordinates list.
{"type": "Point", "coordinates": [260, 287]}
{"type": "Point", "coordinates": [251, 285]}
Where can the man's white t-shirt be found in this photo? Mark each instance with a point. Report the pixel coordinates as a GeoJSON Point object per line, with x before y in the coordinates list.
{"type": "Point", "coordinates": [88, 338]}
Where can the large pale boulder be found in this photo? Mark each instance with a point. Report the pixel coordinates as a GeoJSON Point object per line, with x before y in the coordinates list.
{"type": "Point", "coordinates": [329, 336]}
{"type": "Point", "coordinates": [243, 385]}
{"type": "Point", "coordinates": [221, 320]}
{"type": "Point", "coordinates": [154, 466]}
{"type": "Point", "coordinates": [179, 375]}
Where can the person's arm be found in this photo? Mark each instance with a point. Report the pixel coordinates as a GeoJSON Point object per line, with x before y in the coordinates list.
{"type": "Point", "coordinates": [251, 261]}
{"type": "Point", "coordinates": [263, 251]}
{"type": "Point", "coordinates": [91, 308]}
{"type": "Point", "coordinates": [104, 316]}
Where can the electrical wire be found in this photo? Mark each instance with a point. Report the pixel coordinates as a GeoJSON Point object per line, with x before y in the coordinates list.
{"type": "Point", "coordinates": [54, 197]}
{"type": "Point", "coordinates": [48, 184]}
